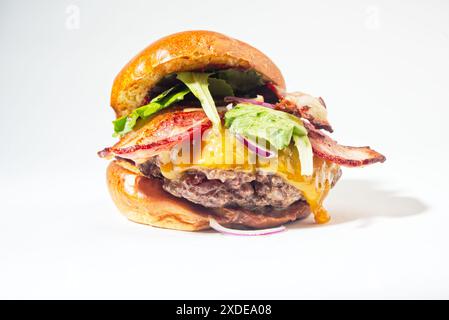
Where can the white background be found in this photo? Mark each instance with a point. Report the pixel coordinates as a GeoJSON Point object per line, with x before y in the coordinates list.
{"type": "Point", "coordinates": [382, 67]}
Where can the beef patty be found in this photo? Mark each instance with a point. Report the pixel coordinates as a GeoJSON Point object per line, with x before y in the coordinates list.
{"type": "Point", "coordinates": [256, 200]}
{"type": "Point", "coordinates": [214, 188]}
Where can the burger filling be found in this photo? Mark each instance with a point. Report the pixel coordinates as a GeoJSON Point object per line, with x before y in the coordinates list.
{"type": "Point", "coordinates": [263, 159]}
{"type": "Point", "coordinates": [215, 188]}
{"type": "Point", "coordinates": [236, 198]}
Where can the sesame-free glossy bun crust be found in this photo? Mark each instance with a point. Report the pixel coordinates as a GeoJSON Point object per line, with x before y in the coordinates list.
{"type": "Point", "coordinates": [143, 200]}
{"type": "Point", "coordinates": [185, 51]}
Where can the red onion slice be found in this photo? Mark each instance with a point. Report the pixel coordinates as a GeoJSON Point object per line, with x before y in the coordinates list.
{"type": "Point", "coordinates": [235, 232]}
{"type": "Point", "coordinates": [254, 147]}
{"type": "Point", "coordinates": [251, 101]}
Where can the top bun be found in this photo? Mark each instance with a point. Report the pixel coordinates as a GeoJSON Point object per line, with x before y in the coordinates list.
{"type": "Point", "coordinates": [185, 51]}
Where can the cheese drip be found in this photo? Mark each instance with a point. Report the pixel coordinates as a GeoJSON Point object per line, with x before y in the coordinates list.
{"type": "Point", "coordinates": [222, 151]}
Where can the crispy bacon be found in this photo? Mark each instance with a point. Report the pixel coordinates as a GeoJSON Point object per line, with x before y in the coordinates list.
{"type": "Point", "coordinates": [314, 110]}
{"type": "Point", "coordinates": [326, 148]}
{"type": "Point", "coordinates": [303, 105]}
{"type": "Point", "coordinates": [161, 133]}
{"type": "Point", "coordinates": [307, 107]}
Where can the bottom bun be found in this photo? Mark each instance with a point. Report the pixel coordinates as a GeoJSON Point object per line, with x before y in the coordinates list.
{"type": "Point", "coordinates": [143, 200]}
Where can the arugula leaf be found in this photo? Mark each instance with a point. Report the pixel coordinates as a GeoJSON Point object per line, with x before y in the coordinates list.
{"type": "Point", "coordinates": [276, 127]}
{"type": "Point", "coordinates": [126, 123]}
{"type": "Point", "coordinates": [220, 88]}
{"type": "Point", "coordinates": [241, 80]}
{"type": "Point", "coordinates": [198, 84]}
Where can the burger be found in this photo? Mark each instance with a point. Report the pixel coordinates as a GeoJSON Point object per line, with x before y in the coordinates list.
{"type": "Point", "coordinates": [209, 137]}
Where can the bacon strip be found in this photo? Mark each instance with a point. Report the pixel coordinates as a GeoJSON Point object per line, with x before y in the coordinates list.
{"type": "Point", "coordinates": [162, 133]}
{"type": "Point", "coordinates": [307, 107]}
{"type": "Point", "coordinates": [304, 106]}
{"type": "Point", "coordinates": [326, 148]}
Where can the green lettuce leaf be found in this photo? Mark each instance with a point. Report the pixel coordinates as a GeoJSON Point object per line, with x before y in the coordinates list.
{"type": "Point", "coordinates": [119, 124]}
{"type": "Point", "coordinates": [126, 123]}
{"type": "Point", "coordinates": [276, 127]}
{"type": "Point", "coordinates": [305, 152]}
{"type": "Point", "coordinates": [199, 85]}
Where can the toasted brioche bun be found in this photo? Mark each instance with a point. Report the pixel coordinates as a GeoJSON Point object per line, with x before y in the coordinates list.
{"type": "Point", "coordinates": [143, 200]}
{"type": "Point", "coordinates": [185, 51]}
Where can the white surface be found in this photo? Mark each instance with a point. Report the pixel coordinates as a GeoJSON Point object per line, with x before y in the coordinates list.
{"type": "Point", "coordinates": [382, 67]}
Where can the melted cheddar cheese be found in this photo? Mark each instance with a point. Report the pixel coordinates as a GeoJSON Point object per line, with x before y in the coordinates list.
{"type": "Point", "coordinates": [222, 151]}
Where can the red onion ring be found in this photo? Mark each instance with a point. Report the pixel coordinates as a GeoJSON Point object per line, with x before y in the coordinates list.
{"type": "Point", "coordinates": [251, 101]}
{"type": "Point", "coordinates": [235, 232]}
{"type": "Point", "coordinates": [254, 147]}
